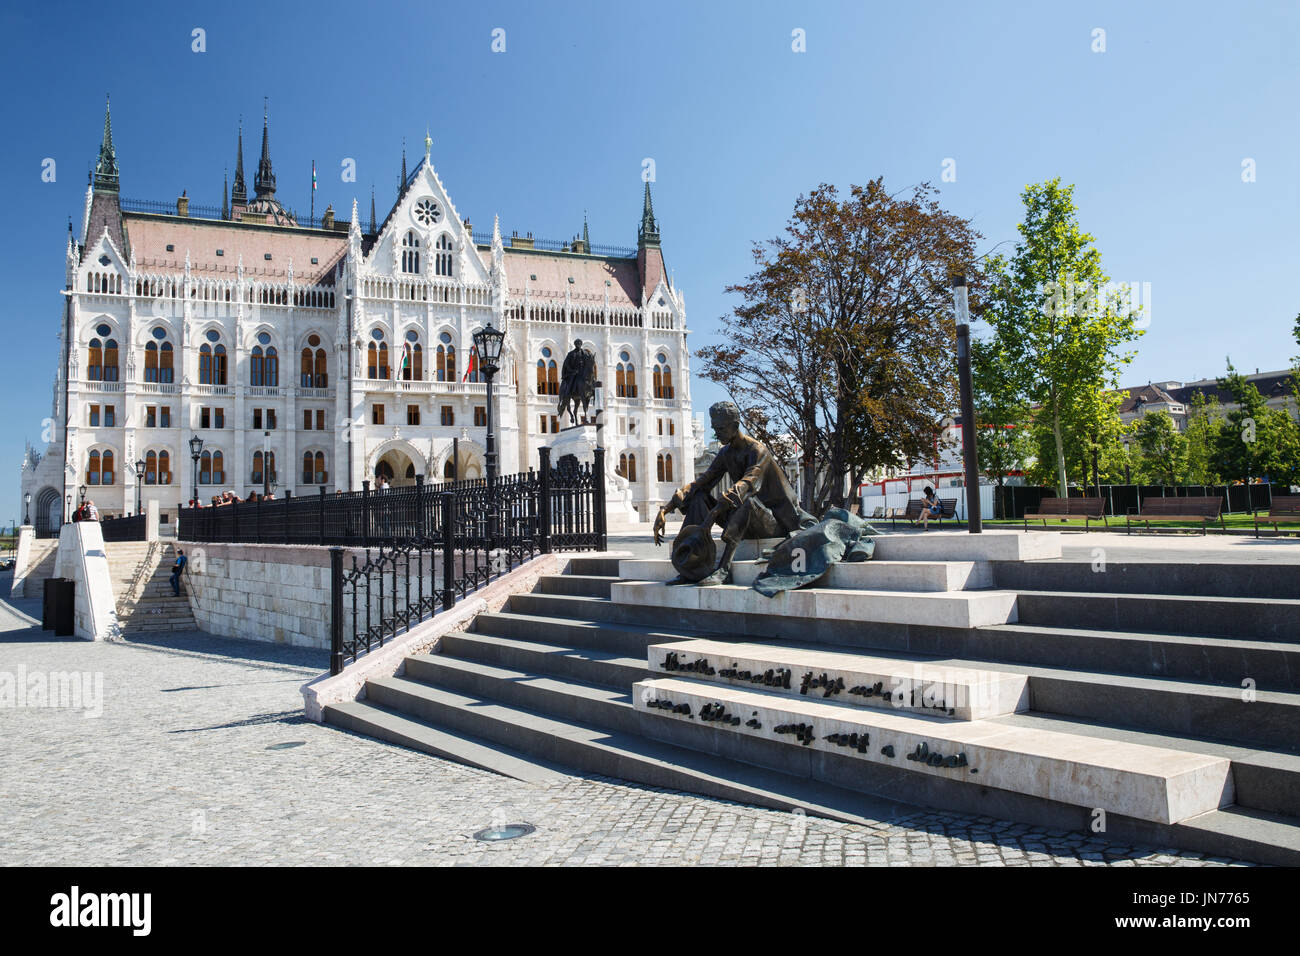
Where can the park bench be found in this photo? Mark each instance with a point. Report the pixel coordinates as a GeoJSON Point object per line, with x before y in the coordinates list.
{"type": "Point", "coordinates": [1089, 509]}
{"type": "Point", "coordinates": [1282, 510]}
{"type": "Point", "coordinates": [912, 512]}
{"type": "Point", "coordinates": [1203, 510]}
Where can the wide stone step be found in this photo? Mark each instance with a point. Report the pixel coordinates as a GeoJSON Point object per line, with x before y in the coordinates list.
{"type": "Point", "coordinates": [578, 584]}
{"type": "Point", "coordinates": [1266, 780]}
{"type": "Point", "coordinates": [554, 659]}
{"type": "Point", "coordinates": [861, 575]}
{"type": "Point", "coordinates": [364, 717]}
{"type": "Point", "coordinates": [1261, 619]}
{"type": "Point", "coordinates": [1273, 665]}
{"type": "Point", "coordinates": [942, 545]}
{"type": "Point", "coordinates": [600, 567]}
{"type": "Point", "coordinates": [962, 609]}
{"type": "Point", "coordinates": [1132, 780]}
{"type": "Point", "coordinates": [1253, 579]}
{"type": "Point", "coordinates": [593, 749]}
{"type": "Point", "coordinates": [629, 640]}
{"type": "Point", "coordinates": [853, 679]}
{"type": "Point", "coordinates": [566, 698]}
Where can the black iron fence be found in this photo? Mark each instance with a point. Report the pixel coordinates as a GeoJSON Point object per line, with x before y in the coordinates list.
{"type": "Point", "coordinates": [1012, 501]}
{"type": "Point", "coordinates": [127, 528]}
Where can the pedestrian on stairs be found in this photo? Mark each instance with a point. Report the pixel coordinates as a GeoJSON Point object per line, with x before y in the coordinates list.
{"type": "Point", "coordinates": [177, 570]}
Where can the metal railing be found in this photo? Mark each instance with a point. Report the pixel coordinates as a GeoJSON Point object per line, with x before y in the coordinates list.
{"type": "Point", "coordinates": [126, 528]}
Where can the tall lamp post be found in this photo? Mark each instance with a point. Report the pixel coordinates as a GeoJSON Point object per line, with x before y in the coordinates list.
{"type": "Point", "coordinates": [487, 342]}
{"type": "Point", "coordinates": [27, 511]}
{"type": "Point", "coordinates": [973, 523]}
{"type": "Point", "coordinates": [196, 449]}
{"type": "Point", "coordinates": [139, 479]}
{"type": "Point", "coordinates": [82, 491]}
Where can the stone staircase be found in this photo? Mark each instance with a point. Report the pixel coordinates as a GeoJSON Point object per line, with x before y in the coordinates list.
{"type": "Point", "coordinates": [145, 603]}
{"type": "Point", "coordinates": [41, 561]}
{"type": "Point", "coordinates": [981, 674]}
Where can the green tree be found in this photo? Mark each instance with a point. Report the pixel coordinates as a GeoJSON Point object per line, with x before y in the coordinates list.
{"type": "Point", "coordinates": [1002, 416]}
{"type": "Point", "coordinates": [1164, 450]}
{"type": "Point", "coordinates": [1204, 422]}
{"type": "Point", "coordinates": [1053, 314]}
{"type": "Point", "coordinates": [1255, 440]}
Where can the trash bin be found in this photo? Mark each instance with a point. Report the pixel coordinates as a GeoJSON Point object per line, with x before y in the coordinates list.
{"type": "Point", "coordinates": [58, 607]}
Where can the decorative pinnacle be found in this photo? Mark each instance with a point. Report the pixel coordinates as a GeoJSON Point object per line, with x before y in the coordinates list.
{"type": "Point", "coordinates": [106, 173]}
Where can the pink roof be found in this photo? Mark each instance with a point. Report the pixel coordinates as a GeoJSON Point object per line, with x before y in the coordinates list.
{"type": "Point", "coordinates": [589, 273]}
{"type": "Point", "coordinates": [201, 238]}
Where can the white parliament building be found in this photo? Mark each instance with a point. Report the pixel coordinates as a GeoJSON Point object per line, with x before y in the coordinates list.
{"type": "Point", "coordinates": [332, 352]}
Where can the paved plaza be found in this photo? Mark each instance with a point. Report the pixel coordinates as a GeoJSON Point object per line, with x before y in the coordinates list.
{"type": "Point", "coordinates": [201, 756]}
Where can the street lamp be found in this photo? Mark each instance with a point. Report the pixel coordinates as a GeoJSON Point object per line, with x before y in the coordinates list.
{"type": "Point", "coordinates": [196, 449]}
{"type": "Point", "coordinates": [487, 343]}
{"type": "Point", "coordinates": [266, 463]}
{"type": "Point", "coordinates": [67, 513]}
{"type": "Point", "coordinates": [961, 305]}
{"type": "Point", "coordinates": [82, 491]}
{"type": "Point", "coordinates": [139, 479]}
{"type": "Point", "coordinates": [27, 513]}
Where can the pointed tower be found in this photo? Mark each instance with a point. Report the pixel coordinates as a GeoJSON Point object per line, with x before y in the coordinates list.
{"type": "Point", "coordinates": [264, 185]}
{"type": "Point", "coordinates": [239, 195]}
{"type": "Point", "coordinates": [105, 214]}
{"type": "Point", "coordinates": [373, 227]}
{"type": "Point", "coordinates": [402, 182]}
{"type": "Point", "coordinates": [225, 193]}
{"type": "Point", "coordinates": [586, 239]}
{"type": "Point", "coordinates": [649, 256]}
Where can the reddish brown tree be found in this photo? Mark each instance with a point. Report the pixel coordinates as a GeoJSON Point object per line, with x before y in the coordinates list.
{"type": "Point", "coordinates": [845, 341]}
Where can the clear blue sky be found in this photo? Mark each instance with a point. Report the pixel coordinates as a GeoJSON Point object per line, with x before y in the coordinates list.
{"type": "Point", "coordinates": [1153, 131]}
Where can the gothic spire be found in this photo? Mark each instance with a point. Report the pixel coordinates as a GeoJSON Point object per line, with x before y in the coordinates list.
{"type": "Point", "coordinates": [106, 176]}
{"type": "Point", "coordinates": [265, 182]}
{"type": "Point", "coordinates": [239, 194]}
{"type": "Point", "coordinates": [586, 239]}
{"type": "Point", "coordinates": [225, 193]}
{"type": "Point", "coordinates": [402, 184]}
{"type": "Point", "coordinates": [648, 234]}
{"type": "Point", "coordinates": [373, 227]}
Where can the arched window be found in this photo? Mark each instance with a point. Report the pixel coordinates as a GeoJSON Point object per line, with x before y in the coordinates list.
{"type": "Point", "coordinates": [627, 465]}
{"type": "Point", "coordinates": [321, 376]}
{"type": "Point", "coordinates": [99, 468]}
{"type": "Point", "coordinates": [448, 470]}
{"type": "Point", "coordinates": [321, 474]}
{"type": "Point", "coordinates": [377, 357]}
{"type": "Point", "coordinates": [442, 257]}
{"type": "Point", "coordinates": [663, 376]}
{"type": "Point", "coordinates": [664, 467]}
{"type": "Point", "coordinates": [313, 369]}
{"type": "Point", "coordinates": [205, 468]}
{"type": "Point", "coordinates": [151, 468]}
{"type": "Point", "coordinates": [165, 354]}
{"type": "Point", "coordinates": [446, 358]}
{"type": "Point", "coordinates": [548, 373]}
{"type": "Point", "coordinates": [151, 362]}
{"type": "Point", "coordinates": [307, 470]}
{"type": "Point", "coordinates": [412, 358]}
{"type": "Point", "coordinates": [95, 363]}
{"type": "Point", "coordinates": [110, 360]}
{"type": "Point", "coordinates": [257, 368]}
{"type": "Point", "coordinates": [625, 376]}
{"type": "Point", "coordinates": [164, 468]}
{"type": "Point", "coordinates": [411, 254]}
{"type": "Point", "coordinates": [257, 466]}
{"type": "Point", "coordinates": [219, 365]}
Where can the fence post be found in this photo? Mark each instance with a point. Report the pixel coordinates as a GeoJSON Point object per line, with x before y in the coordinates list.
{"type": "Point", "coordinates": [320, 533]}
{"type": "Point", "coordinates": [598, 495]}
{"type": "Point", "coordinates": [284, 510]}
{"type": "Point", "coordinates": [544, 511]}
{"type": "Point", "coordinates": [365, 511]}
{"type": "Point", "coordinates": [448, 549]}
{"type": "Point", "coordinates": [258, 516]}
{"type": "Point", "coordinates": [336, 610]}
{"type": "Point", "coordinates": [420, 524]}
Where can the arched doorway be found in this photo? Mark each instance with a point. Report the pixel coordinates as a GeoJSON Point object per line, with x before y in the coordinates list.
{"type": "Point", "coordinates": [48, 513]}
{"type": "Point", "coordinates": [397, 467]}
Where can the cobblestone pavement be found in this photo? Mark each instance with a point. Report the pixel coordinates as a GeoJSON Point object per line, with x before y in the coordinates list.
{"type": "Point", "coordinates": [179, 769]}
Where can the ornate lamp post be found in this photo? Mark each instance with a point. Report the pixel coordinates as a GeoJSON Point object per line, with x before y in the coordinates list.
{"type": "Point", "coordinates": [67, 514]}
{"type": "Point", "coordinates": [487, 342]}
{"type": "Point", "coordinates": [196, 449]}
{"type": "Point", "coordinates": [139, 479]}
{"type": "Point", "coordinates": [27, 511]}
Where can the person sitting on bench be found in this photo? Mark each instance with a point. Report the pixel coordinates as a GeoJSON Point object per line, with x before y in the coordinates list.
{"type": "Point", "coordinates": [931, 508]}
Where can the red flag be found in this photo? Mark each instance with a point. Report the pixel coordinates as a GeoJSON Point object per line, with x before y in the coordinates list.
{"type": "Point", "coordinates": [471, 365]}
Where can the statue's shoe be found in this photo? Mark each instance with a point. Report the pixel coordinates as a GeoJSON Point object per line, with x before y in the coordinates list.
{"type": "Point", "coordinates": [720, 576]}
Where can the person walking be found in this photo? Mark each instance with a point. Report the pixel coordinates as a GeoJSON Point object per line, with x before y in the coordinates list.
{"type": "Point", "coordinates": [177, 570]}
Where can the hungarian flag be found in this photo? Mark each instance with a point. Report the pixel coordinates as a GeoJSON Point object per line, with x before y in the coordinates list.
{"type": "Point", "coordinates": [472, 365]}
{"type": "Point", "coordinates": [313, 175]}
{"type": "Point", "coordinates": [406, 358]}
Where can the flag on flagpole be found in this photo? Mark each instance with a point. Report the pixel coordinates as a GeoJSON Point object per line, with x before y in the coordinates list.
{"type": "Point", "coordinates": [313, 175]}
{"type": "Point", "coordinates": [471, 365]}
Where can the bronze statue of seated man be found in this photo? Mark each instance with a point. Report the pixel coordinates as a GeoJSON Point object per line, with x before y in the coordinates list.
{"type": "Point", "coordinates": [759, 504]}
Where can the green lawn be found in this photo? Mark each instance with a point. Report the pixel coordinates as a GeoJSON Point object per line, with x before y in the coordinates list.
{"type": "Point", "coordinates": [1243, 522]}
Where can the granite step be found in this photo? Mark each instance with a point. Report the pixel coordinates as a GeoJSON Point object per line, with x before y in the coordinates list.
{"type": "Point", "coordinates": [863, 575]}
{"type": "Point", "coordinates": [1154, 784]}
{"type": "Point", "coordinates": [585, 585]}
{"type": "Point", "coordinates": [550, 658]}
{"type": "Point", "coordinates": [1260, 619]}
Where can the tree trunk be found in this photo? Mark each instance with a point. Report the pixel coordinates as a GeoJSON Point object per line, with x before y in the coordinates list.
{"type": "Point", "coordinates": [1062, 490]}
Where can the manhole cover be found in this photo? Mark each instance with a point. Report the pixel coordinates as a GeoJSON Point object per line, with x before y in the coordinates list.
{"type": "Point", "coordinates": [288, 744]}
{"type": "Point", "coordinates": [509, 832]}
